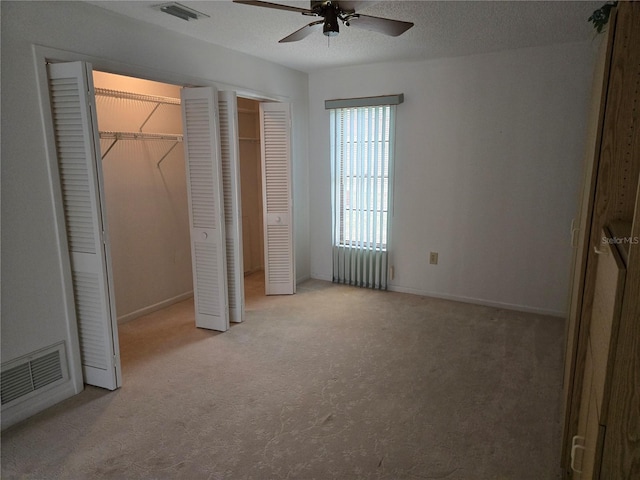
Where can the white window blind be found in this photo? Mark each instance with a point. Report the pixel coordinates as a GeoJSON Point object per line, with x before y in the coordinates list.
{"type": "Point", "coordinates": [362, 141]}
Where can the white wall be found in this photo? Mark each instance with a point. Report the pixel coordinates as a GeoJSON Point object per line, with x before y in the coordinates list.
{"type": "Point", "coordinates": [147, 211]}
{"type": "Point", "coordinates": [488, 163]}
{"type": "Point", "coordinates": [33, 300]}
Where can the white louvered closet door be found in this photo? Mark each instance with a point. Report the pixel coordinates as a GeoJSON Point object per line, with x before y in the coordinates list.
{"type": "Point", "coordinates": [275, 138]}
{"type": "Point", "coordinates": [78, 151]}
{"type": "Point", "coordinates": [206, 215]}
{"type": "Point", "coordinates": [229, 149]}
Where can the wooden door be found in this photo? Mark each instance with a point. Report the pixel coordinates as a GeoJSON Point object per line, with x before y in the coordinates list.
{"type": "Point", "coordinates": [600, 357]}
{"type": "Point", "coordinates": [613, 185]}
{"type": "Point", "coordinates": [581, 226]}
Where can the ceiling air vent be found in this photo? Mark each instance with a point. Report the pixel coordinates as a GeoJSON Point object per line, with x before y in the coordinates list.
{"type": "Point", "coordinates": [180, 11]}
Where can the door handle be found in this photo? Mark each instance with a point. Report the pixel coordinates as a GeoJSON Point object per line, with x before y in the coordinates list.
{"type": "Point", "coordinates": [600, 252]}
{"type": "Point", "coordinates": [574, 448]}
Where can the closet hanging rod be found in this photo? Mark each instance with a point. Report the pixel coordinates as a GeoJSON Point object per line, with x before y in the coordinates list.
{"type": "Point", "coordinates": [140, 136]}
{"type": "Point", "coordinates": [105, 92]}
{"type": "Point", "coordinates": [117, 136]}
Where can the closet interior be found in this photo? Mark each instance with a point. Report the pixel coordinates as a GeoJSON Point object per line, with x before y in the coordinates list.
{"type": "Point", "coordinates": [145, 188]}
{"type": "Point", "coordinates": [251, 186]}
{"type": "Point", "coordinates": [140, 126]}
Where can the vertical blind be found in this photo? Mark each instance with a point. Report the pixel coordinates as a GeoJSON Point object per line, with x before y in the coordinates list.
{"type": "Point", "coordinates": [362, 141]}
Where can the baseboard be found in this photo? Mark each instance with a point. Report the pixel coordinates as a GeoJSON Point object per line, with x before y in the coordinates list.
{"type": "Point", "coordinates": [326, 278]}
{"type": "Point", "coordinates": [47, 398]}
{"type": "Point", "coordinates": [304, 278]}
{"type": "Point", "coordinates": [479, 301]}
{"type": "Point", "coordinates": [152, 308]}
{"type": "Point", "coordinates": [251, 272]}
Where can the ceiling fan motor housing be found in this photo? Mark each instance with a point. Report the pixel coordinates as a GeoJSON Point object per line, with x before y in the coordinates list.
{"type": "Point", "coordinates": [319, 4]}
{"type": "Point", "coordinates": [330, 27]}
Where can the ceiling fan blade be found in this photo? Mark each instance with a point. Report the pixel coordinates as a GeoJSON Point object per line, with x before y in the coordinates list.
{"type": "Point", "coordinates": [302, 33]}
{"type": "Point", "coordinates": [256, 3]}
{"type": "Point", "coordinates": [380, 25]}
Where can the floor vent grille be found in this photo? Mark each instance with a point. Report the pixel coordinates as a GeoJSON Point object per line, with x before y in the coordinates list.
{"type": "Point", "coordinates": [31, 373]}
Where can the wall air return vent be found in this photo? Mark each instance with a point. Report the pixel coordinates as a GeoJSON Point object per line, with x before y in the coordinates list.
{"type": "Point", "coordinates": [180, 11]}
{"type": "Point", "coordinates": [23, 377]}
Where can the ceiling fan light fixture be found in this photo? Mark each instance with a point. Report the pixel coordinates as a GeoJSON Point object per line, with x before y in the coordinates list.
{"type": "Point", "coordinates": [330, 30]}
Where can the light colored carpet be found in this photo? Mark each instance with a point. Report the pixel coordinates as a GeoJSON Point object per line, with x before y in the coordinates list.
{"type": "Point", "coordinates": [334, 382]}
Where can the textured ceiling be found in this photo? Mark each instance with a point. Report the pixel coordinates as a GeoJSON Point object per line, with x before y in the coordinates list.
{"type": "Point", "coordinates": [442, 29]}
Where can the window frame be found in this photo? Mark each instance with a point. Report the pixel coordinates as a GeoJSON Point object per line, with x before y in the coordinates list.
{"type": "Point", "coordinates": [375, 154]}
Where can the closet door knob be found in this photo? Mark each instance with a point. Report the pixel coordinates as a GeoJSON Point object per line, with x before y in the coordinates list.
{"type": "Point", "coordinates": [204, 235]}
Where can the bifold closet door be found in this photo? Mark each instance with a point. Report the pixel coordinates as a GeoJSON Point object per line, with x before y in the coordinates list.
{"type": "Point", "coordinates": [275, 138]}
{"type": "Point", "coordinates": [206, 214]}
{"type": "Point", "coordinates": [229, 149]}
{"type": "Point", "coordinates": [78, 153]}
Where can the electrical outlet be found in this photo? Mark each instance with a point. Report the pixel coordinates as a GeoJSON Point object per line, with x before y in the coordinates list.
{"type": "Point", "coordinates": [433, 258]}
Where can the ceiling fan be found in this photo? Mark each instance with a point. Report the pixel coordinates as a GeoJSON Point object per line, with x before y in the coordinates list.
{"type": "Point", "coordinates": [331, 12]}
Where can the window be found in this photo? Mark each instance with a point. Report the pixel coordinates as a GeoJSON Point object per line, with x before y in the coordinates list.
{"type": "Point", "coordinates": [362, 141]}
{"type": "Point", "coordinates": [361, 176]}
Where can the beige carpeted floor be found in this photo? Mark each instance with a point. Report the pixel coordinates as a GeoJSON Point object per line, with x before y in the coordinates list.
{"type": "Point", "coordinates": [334, 382]}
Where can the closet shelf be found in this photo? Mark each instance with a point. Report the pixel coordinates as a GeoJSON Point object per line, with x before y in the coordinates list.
{"type": "Point", "coordinates": [105, 92]}
{"type": "Point", "coordinates": [140, 136]}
